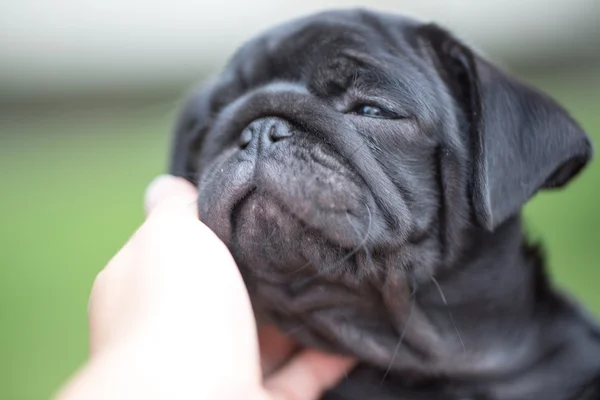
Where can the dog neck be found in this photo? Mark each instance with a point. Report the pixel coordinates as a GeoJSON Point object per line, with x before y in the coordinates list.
{"type": "Point", "coordinates": [495, 318]}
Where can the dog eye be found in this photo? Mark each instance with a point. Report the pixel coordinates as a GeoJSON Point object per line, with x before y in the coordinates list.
{"type": "Point", "coordinates": [367, 110]}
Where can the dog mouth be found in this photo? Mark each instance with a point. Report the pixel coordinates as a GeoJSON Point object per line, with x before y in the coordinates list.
{"type": "Point", "coordinates": [335, 204]}
{"type": "Point", "coordinates": [291, 211]}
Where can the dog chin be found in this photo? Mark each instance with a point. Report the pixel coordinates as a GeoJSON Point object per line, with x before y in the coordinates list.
{"type": "Point", "coordinates": [274, 241]}
{"type": "Point", "coordinates": [282, 214]}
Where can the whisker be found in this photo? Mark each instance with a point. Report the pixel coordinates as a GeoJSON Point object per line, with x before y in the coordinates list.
{"type": "Point", "coordinates": [439, 288]}
{"type": "Point", "coordinates": [271, 234]}
{"type": "Point", "coordinates": [402, 335]}
{"type": "Point", "coordinates": [363, 241]}
{"type": "Point", "coordinates": [365, 248]}
{"type": "Point", "coordinates": [295, 329]}
{"type": "Point", "coordinates": [193, 203]}
{"type": "Point", "coordinates": [299, 269]}
{"type": "Point", "coordinates": [360, 246]}
{"type": "Point", "coordinates": [415, 284]}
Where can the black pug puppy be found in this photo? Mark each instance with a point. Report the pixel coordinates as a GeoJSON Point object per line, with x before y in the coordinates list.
{"type": "Point", "coordinates": [367, 173]}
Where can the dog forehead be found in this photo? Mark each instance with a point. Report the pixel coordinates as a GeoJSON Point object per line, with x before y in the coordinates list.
{"type": "Point", "coordinates": [316, 36]}
{"type": "Point", "coordinates": [331, 32]}
{"type": "Point", "coordinates": [344, 22]}
{"type": "Point", "coordinates": [320, 40]}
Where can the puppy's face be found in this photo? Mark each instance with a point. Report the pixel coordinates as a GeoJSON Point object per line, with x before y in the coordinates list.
{"type": "Point", "coordinates": [319, 156]}
{"type": "Point", "coordinates": [345, 157]}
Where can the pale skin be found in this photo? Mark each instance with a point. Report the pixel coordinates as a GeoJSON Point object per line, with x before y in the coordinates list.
{"type": "Point", "coordinates": [170, 318]}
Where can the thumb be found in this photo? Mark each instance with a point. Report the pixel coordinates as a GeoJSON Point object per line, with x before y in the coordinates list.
{"type": "Point", "coordinates": [172, 194]}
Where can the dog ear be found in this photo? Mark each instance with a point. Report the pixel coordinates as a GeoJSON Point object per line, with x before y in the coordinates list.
{"type": "Point", "coordinates": [194, 121]}
{"type": "Point", "coordinates": [520, 140]}
{"type": "Point", "coordinates": [189, 131]}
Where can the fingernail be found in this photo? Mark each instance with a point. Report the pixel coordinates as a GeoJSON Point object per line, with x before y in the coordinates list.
{"type": "Point", "coordinates": [173, 191]}
{"type": "Point", "coordinates": [156, 190]}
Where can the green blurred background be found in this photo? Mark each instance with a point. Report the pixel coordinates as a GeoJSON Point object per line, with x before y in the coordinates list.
{"type": "Point", "coordinates": [78, 149]}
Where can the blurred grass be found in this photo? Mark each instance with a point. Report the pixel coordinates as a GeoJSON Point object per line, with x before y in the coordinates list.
{"type": "Point", "coordinates": [72, 191]}
{"type": "Point", "coordinates": [72, 196]}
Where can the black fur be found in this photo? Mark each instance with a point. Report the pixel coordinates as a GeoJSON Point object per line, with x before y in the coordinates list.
{"type": "Point", "coordinates": [397, 239]}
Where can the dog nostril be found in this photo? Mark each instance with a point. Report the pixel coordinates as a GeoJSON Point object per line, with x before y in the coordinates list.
{"type": "Point", "coordinates": [246, 137]}
{"type": "Point", "coordinates": [278, 132]}
{"type": "Point", "coordinates": [264, 132]}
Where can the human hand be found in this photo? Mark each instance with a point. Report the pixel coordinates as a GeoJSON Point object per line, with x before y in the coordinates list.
{"type": "Point", "coordinates": [170, 318]}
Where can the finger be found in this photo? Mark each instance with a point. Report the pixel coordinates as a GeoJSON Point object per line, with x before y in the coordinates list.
{"type": "Point", "coordinates": [171, 193]}
{"type": "Point", "coordinates": [307, 376]}
{"type": "Point", "coordinates": [275, 348]}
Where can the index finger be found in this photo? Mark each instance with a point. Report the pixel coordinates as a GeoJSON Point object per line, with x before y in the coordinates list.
{"type": "Point", "coordinates": [275, 348]}
{"type": "Point", "coordinates": [307, 376]}
{"type": "Point", "coordinates": [171, 194]}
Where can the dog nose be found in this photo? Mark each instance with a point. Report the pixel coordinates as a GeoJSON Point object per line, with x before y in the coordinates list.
{"type": "Point", "coordinates": [265, 131]}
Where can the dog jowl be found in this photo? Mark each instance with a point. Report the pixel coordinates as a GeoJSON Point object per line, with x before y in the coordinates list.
{"type": "Point", "coordinates": [367, 173]}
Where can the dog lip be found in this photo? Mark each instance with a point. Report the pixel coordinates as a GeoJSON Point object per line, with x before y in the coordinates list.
{"type": "Point", "coordinates": [238, 200]}
{"type": "Point", "coordinates": [243, 195]}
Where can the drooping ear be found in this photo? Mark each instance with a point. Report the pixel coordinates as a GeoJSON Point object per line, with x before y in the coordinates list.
{"type": "Point", "coordinates": [189, 131]}
{"type": "Point", "coordinates": [194, 120]}
{"type": "Point", "coordinates": [520, 140]}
